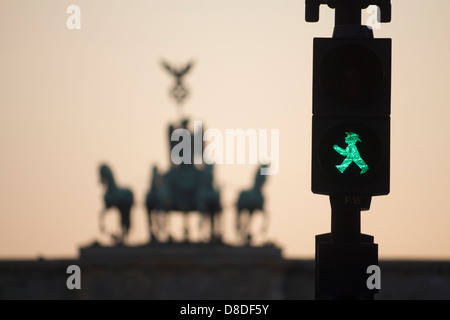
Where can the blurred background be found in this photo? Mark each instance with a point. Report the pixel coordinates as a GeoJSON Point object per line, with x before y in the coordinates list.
{"type": "Point", "coordinates": [72, 99]}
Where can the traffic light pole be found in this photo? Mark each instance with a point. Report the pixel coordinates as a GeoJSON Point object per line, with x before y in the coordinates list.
{"type": "Point", "coordinates": [344, 255]}
{"type": "Point", "coordinates": [345, 219]}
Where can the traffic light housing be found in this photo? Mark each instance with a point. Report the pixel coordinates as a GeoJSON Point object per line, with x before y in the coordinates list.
{"type": "Point", "coordinates": [351, 116]}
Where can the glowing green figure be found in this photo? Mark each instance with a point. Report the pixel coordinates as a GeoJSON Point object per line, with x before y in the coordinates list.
{"type": "Point", "coordinates": [351, 153]}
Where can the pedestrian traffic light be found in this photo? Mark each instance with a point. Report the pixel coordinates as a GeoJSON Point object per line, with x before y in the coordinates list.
{"type": "Point", "coordinates": [351, 142]}
{"type": "Point", "coordinates": [351, 116]}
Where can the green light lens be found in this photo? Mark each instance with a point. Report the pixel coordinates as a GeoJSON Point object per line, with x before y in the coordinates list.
{"type": "Point", "coordinates": [351, 154]}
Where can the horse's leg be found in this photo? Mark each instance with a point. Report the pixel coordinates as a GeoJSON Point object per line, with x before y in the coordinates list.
{"type": "Point", "coordinates": [239, 221]}
{"type": "Point", "coordinates": [211, 226]}
{"type": "Point", "coordinates": [167, 230]}
{"type": "Point", "coordinates": [163, 229]}
{"type": "Point", "coordinates": [101, 220]}
{"type": "Point", "coordinates": [186, 226]}
{"type": "Point", "coordinates": [201, 224]}
{"type": "Point", "coordinates": [265, 225]}
{"type": "Point", "coordinates": [158, 226]}
{"type": "Point", "coordinates": [206, 216]}
{"type": "Point", "coordinates": [123, 236]}
{"type": "Point", "coordinates": [238, 224]}
{"type": "Point", "coordinates": [217, 226]}
{"type": "Point", "coordinates": [247, 235]}
{"type": "Point", "coordinates": [125, 213]}
{"type": "Point", "coordinates": [242, 225]}
{"type": "Point", "coordinates": [150, 226]}
{"type": "Point", "coordinates": [155, 226]}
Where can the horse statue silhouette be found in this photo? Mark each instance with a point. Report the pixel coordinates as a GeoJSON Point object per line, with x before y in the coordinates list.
{"type": "Point", "coordinates": [153, 205]}
{"type": "Point", "coordinates": [157, 204]}
{"type": "Point", "coordinates": [208, 204]}
{"type": "Point", "coordinates": [250, 201]}
{"type": "Point", "coordinates": [119, 198]}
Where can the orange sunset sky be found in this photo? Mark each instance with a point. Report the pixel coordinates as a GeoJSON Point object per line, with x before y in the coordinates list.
{"type": "Point", "coordinates": [71, 99]}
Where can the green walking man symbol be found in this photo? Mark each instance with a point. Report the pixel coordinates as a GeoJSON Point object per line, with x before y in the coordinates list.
{"type": "Point", "coordinates": [351, 153]}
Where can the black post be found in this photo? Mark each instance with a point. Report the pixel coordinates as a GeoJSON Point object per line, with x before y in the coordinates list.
{"type": "Point", "coordinates": [343, 256]}
{"type": "Point", "coordinates": [345, 220]}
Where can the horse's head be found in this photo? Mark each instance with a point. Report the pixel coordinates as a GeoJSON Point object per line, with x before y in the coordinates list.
{"type": "Point", "coordinates": [156, 177]}
{"type": "Point", "coordinates": [106, 176]}
{"type": "Point", "coordinates": [260, 178]}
